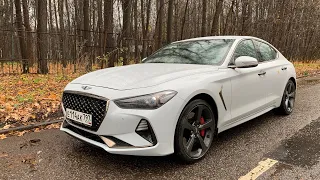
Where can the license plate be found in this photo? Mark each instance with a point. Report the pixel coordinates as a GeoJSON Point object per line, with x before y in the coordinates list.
{"type": "Point", "coordinates": [79, 117]}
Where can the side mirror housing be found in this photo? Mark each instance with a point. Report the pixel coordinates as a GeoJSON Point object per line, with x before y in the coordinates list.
{"type": "Point", "coordinates": [246, 62]}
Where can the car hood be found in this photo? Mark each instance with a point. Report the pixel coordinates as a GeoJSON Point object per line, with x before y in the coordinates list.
{"type": "Point", "coordinates": [140, 75]}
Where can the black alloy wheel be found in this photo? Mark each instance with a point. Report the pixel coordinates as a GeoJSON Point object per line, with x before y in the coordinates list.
{"type": "Point", "coordinates": [195, 131]}
{"type": "Point", "coordinates": [288, 99]}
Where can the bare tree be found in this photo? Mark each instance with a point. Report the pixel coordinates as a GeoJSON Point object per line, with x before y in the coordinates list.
{"type": "Point", "coordinates": [28, 30]}
{"type": "Point", "coordinates": [86, 37]}
{"type": "Point", "coordinates": [126, 6]}
{"type": "Point", "coordinates": [108, 30]}
{"type": "Point", "coordinates": [215, 21]}
{"type": "Point", "coordinates": [63, 47]}
{"type": "Point", "coordinates": [160, 26]}
{"type": "Point", "coordinates": [20, 29]}
{"type": "Point", "coordinates": [42, 41]}
{"type": "Point", "coordinates": [170, 21]}
{"type": "Point", "coordinates": [204, 18]}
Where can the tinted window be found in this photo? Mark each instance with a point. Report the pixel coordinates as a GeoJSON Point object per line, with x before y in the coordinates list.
{"type": "Point", "coordinates": [265, 52]}
{"type": "Point", "coordinates": [245, 48]}
{"type": "Point", "coordinates": [211, 52]}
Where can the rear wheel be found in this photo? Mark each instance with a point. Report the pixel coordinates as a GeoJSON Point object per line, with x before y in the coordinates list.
{"type": "Point", "coordinates": [195, 131]}
{"type": "Point", "coordinates": [288, 99]}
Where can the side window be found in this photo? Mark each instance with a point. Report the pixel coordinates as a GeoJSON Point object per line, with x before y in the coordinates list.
{"type": "Point", "coordinates": [265, 52]}
{"type": "Point", "coordinates": [245, 48]}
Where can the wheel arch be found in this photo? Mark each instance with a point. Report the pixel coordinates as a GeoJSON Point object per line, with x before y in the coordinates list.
{"type": "Point", "coordinates": [294, 81]}
{"type": "Point", "coordinates": [209, 99]}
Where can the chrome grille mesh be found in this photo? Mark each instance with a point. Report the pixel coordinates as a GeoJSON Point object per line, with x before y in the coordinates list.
{"type": "Point", "coordinates": [90, 105]}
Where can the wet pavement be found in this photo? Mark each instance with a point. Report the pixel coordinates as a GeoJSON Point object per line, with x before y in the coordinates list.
{"type": "Point", "coordinates": [291, 140]}
{"type": "Point", "coordinates": [302, 149]}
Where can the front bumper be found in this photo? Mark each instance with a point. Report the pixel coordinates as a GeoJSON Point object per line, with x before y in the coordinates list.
{"type": "Point", "coordinates": [121, 124]}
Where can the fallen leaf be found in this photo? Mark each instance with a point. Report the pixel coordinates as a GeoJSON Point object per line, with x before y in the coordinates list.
{"type": "Point", "coordinates": [37, 130]}
{"type": "Point", "coordinates": [2, 98]}
{"type": "Point", "coordinates": [52, 96]}
{"type": "Point", "coordinates": [37, 105]}
{"type": "Point", "coordinates": [3, 155]}
{"type": "Point", "coordinates": [54, 126]}
{"type": "Point", "coordinates": [3, 136]}
{"type": "Point", "coordinates": [21, 133]}
{"type": "Point", "coordinates": [8, 107]}
{"type": "Point", "coordinates": [6, 126]}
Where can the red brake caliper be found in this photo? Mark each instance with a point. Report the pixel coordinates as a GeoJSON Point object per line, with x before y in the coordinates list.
{"type": "Point", "coordinates": [202, 132]}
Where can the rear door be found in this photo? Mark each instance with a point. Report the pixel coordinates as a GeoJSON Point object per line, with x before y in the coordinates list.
{"type": "Point", "coordinates": [276, 71]}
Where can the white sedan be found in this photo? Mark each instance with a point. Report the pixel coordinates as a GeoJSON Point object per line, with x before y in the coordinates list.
{"type": "Point", "coordinates": [180, 97]}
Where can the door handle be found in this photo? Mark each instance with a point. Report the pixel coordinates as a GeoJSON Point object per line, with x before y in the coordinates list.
{"type": "Point", "coordinates": [262, 73]}
{"type": "Point", "coordinates": [284, 68]}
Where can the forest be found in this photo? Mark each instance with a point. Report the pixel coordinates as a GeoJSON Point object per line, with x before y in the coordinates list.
{"type": "Point", "coordinates": [45, 36]}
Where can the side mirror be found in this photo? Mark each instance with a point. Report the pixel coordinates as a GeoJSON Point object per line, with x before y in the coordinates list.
{"type": "Point", "coordinates": [246, 62]}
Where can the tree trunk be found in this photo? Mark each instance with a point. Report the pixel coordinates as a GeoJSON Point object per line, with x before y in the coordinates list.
{"type": "Point", "coordinates": [42, 40]}
{"type": "Point", "coordinates": [28, 29]}
{"type": "Point", "coordinates": [86, 35]}
{"type": "Point", "coordinates": [99, 29]}
{"type": "Point", "coordinates": [160, 27]}
{"type": "Point", "coordinates": [67, 32]}
{"type": "Point", "coordinates": [108, 31]}
{"type": "Point", "coordinates": [215, 21]}
{"type": "Point", "coordinates": [184, 19]}
{"type": "Point", "coordinates": [136, 33]}
{"type": "Point", "coordinates": [63, 48]}
{"type": "Point", "coordinates": [204, 18]}
{"type": "Point", "coordinates": [170, 21]}
{"type": "Point", "coordinates": [126, 7]}
{"type": "Point", "coordinates": [20, 29]}
{"type": "Point", "coordinates": [145, 28]}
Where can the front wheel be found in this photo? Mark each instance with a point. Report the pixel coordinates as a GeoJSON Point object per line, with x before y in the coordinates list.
{"type": "Point", "coordinates": [288, 99]}
{"type": "Point", "coordinates": [195, 131]}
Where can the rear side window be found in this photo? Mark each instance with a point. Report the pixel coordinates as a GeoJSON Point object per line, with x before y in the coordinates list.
{"type": "Point", "coordinates": [265, 51]}
{"type": "Point", "coordinates": [245, 48]}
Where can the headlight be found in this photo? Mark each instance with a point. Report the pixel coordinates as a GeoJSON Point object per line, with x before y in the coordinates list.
{"type": "Point", "coordinates": [149, 101]}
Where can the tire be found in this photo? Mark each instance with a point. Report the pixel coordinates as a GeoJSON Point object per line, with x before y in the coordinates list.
{"type": "Point", "coordinates": [195, 131]}
{"type": "Point", "coordinates": [288, 99]}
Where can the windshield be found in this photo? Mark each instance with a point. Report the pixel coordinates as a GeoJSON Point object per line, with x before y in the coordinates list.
{"type": "Point", "coordinates": [208, 52]}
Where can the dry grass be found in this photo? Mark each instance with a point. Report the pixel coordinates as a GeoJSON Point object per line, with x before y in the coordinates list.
{"type": "Point", "coordinates": [28, 98]}
{"type": "Point", "coordinates": [307, 69]}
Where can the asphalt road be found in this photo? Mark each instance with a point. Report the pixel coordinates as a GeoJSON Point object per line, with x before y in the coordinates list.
{"type": "Point", "coordinates": [292, 140]}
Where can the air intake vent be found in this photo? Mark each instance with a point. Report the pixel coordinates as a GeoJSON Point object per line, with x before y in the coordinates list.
{"type": "Point", "coordinates": [143, 125]}
{"type": "Point", "coordinates": [145, 130]}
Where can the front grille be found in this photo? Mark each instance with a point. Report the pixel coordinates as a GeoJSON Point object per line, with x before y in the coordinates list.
{"type": "Point", "coordinates": [90, 105]}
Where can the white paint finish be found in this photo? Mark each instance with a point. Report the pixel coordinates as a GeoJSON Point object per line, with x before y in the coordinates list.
{"type": "Point", "coordinates": [246, 95]}
{"type": "Point", "coordinates": [246, 61]}
{"type": "Point", "coordinates": [248, 92]}
{"type": "Point", "coordinates": [140, 75]}
{"type": "Point", "coordinates": [275, 80]}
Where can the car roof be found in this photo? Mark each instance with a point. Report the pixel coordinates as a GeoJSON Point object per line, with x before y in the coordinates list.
{"type": "Point", "coordinates": [219, 37]}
